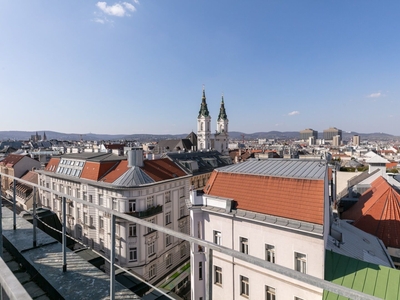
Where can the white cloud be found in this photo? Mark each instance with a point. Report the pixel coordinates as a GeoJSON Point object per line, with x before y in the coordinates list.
{"type": "Point", "coordinates": [375, 95]}
{"type": "Point", "coordinates": [116, 10]}
{"type": "Point", "coordinates": [136, 1]}
{"type": "Point", "coordinates": [98, 20]}
{"type": "Point", "coordinates": [129, 6]}
{"type": "Point", "coordinates": [295, 112]}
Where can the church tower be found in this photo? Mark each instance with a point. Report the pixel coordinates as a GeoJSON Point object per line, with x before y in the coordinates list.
{"type": "Point", "coordinates": [221, 136]}
{"type": "Point", "coordinates": [203, 125]}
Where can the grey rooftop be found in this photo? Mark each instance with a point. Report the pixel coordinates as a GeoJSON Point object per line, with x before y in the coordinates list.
{"type": "Point", "coordinates": [289, 168]}
{"type": "Point", "coordinates": [80, 281]}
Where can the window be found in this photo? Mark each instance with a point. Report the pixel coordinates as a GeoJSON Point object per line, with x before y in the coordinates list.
{"type": "Point", "coordinates": [244, 245]}
{"type": "Point", "coordinates": [150, 201]}
{"type": "Point", "coordinates": [133, 254]}
{"type": "Point", "coordinates": [85, 218]}
{"type": "Point", "coordinates": [78, 193]}
{"type": "Point", "coordinates": [168, 260]}
{"type": "Point", "coordinates": [181, 192]}
{"type": "Point", "coordinates": [152, 271]}
{"type": "Point", "coordinates": [101, 199]}
{"type": "Point", "coordinates": [217, 275]}
{"type": "Point", "coordinates": [151, 248]}
{"type": "Point", "coordinates": [132, 230]}
{"type": "Point", "coordinates": [168, 240]}
{"type": "Point", "coordinates": [200, 270]}
{"type": "Point", "coordinates": [114, 203]}
{"type": "Point", "coordinates": [167, 218]}
{"type": "Point", "coordinates": [300, 262]}
{"type": "Point", "coordinates": [183, 250]}
{"type": "Point", "coordinates": [101, 222]}
{"type": "Point", "coordinates": [91, 198]}
{"type": "Point", "coordinates": [167, 196]}
{"type": "Point", "coordinates": [270, 253]}
{"type": "Point", "coordinates": [244, 286]}
{"type": "Point", "coordinates": [91, 221]}
{"type": "Point", "coordinates": [181, 211]}
{"type": "Point", "coordinates": [84, 196]}
{"type": "Point", "coordinates": [78, 213]}
{"type": "Point", "coordinates": [101, 244]}
{"type": "Point", "coordinates": [217, 237]}
{"type": "Point", "coordinates": [152, 220]}
{"type": "Point", "coordinates": [132, 206]}
{"type": "Point", "coordinates": [269, 293]}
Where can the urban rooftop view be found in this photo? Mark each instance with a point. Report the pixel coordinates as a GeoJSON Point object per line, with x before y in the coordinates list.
{"type": "Point", "coordinates": [199, 150]}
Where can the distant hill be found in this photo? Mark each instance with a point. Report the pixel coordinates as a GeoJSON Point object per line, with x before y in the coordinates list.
{"type": "Point", "coordinates": [236, 135]}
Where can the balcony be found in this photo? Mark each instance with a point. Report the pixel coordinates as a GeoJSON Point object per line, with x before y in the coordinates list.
{"type": "Point", "coordinates": [151, 211]}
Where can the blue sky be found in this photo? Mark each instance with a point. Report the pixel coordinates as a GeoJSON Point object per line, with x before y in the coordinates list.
{"type": "Point", "coordinates": [126, 67]}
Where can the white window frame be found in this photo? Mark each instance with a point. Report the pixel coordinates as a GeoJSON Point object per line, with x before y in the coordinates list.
{"type": "Point", "coordinates": [168, 218]}
{"type": "Point", "coordinates": [270, 253]}
{"type": "Point", "coordinates": [217, 275]}
{"type": "Point", "coordinates": [217, 237]}
{"type": "Point", "coordinates": [244, 245]}
{"type": "Point", "coordinates": [133, 254]}
{"type": "Point", "coordinates": [132, 231]}
{"type": "Point", "coordinates": [300, 262]}
{"type": "Point", "coordinates": [270, 293]}
{"type": "Point", "coordinates": [132, 205]}
{"type": "Point", "coordinates": [244, 286]}
{"type": "Point", "coordinates": [151, 248]}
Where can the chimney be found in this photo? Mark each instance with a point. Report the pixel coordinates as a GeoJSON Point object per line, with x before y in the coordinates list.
{"type": "Point", "coordinates": [135, 157]}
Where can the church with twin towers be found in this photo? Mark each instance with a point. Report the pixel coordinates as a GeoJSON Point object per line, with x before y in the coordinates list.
{"type": "Point", "coordinates": [205, 140]}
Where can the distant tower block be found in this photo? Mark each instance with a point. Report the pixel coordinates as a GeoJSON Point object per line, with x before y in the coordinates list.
{"type": "Point", "coordinates": [331, 132]}
{"type": "Point", "coordinates": [356, 140]}
{"type": "Point", "coordinates": [307, 133]}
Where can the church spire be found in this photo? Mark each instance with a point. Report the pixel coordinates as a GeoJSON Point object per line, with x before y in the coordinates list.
{"type": "Point", "coordinates": [203, 108]}
{"type": "Point", "coordinates": [222, 113]}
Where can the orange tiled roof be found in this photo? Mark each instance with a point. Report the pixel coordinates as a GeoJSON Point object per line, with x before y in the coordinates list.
{"type": "Point", "coordinates": [52, 164]}
{"type": "Point", "coordinates": [391, 165]}
{"type": "Point", "coordinates": [31, 177]}
{"type": "Point", "coordinates": [377, 212]}
{"type": "Point", "coordinates": [298, 199]}
{"type": "Point", "coordinates": [162, 169]}
{"type": "Point", "coordinates": [11, 160]}
{"type": "Point", "coordinates": [116, 172]}
{"type": "Point", "coordinates": [96, 170]}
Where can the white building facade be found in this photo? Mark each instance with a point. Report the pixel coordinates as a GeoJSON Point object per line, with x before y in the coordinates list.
{"type": "Point", "coordinates": [268, 230]}
{"type": "Point", "coordinates": [126, 186]}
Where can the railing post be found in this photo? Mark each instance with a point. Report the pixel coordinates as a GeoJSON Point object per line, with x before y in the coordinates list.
{"type": "Point", "coordinates": [64, 239]}
{"type": "Point", "coordinates": [34, 221]}
{"type": "Point", "coordinates": [14, 205]}
{"type": "Point", "coordinates": [112, 258]}
{"type": "Point", "coordinates": [1, 221]}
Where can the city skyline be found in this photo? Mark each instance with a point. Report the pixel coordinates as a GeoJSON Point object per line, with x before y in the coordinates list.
{"type": "Point", "coordinates": [135, 67]}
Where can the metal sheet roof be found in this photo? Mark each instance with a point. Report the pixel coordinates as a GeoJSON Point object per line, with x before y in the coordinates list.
{"type": "Point", "coordinates": [135, 176]}
{"type": "Point", "coordinates": [290, 168]}
{"type": "Point", "coordinates": [371, 279]}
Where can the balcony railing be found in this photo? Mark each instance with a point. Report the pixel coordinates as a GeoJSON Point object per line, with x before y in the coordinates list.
{"type": "Point", "coordinates": [151, 211]}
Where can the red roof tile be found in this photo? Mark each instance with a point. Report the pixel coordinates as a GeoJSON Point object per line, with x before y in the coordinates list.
{"type": "Point", "coordinates": [298, 199]}
{"type": "Point", "coordinates": [377, 212]}
{"type": "Point", "coordinates": [52, 164]}
{"type": "Point", "coordinates": [116, 172]}
{"type": "Point", "coordinates": [96, 170]}
{"type": "Point", "coordinates": [11, 160]}
{"type": "Point", "coordinates": [31, 177]}
{"type": "Point", "coordinates": [162, 169]}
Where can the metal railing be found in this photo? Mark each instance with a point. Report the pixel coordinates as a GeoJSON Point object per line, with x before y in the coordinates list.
{"type": "Point", "coordinates": [209, 246]}
{"type": "Point", "coordinates": [10, 287]}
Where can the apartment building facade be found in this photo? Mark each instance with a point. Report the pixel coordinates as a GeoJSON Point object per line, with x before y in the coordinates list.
{"type": "Point", "coordinates": [154, 190]}
{"type": "Point", "coordinates": [276, 210]}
